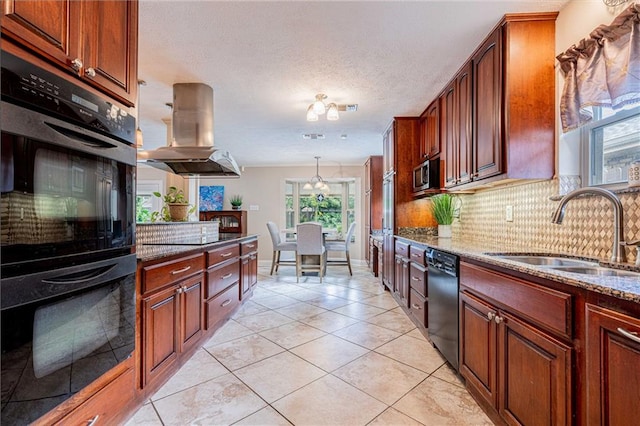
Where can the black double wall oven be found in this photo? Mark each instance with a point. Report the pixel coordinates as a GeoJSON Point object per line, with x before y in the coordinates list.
{"type": "Point", "coordinates": [67, 221]}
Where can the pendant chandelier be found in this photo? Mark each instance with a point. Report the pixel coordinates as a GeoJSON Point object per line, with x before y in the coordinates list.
{"type": "Point", "coordinates": [316, 182]}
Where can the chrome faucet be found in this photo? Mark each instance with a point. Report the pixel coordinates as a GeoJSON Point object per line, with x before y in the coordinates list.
{"type": "Point", "coordinates": [617, 252]}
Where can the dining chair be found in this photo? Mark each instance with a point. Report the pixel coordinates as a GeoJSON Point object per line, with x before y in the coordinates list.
{"type": "Point", "coordinates": [342, 245]}
{"type": "Point", "coordinates": [310, 244]}
{"type": "Point", "coordinates": [279, 246]}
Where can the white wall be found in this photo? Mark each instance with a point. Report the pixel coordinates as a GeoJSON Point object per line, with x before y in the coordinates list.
{"type": "Point", "coordinates": [264, 187]}
{"type": "Point", "coordinates": [576, 20]}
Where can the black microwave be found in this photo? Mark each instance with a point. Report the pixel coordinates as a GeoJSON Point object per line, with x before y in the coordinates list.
{"type": "Point", "coordinates": [426, 176]}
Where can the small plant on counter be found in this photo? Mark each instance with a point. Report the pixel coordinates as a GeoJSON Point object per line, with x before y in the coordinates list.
{"type": "Point", "coordinates": [443, 207]}
{"type": "Point", "coordinates": [236, 201]}
{"type": "Point", "coordinates": [176, 206]}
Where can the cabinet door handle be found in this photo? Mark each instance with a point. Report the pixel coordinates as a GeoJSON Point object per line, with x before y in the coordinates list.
{"type": "Point", "coordinates": [629, 334]}
{"type": "Point", "coordinates": [225, 276]}
{"type": "Point", "coordinates": [179, 271]}
{"type": "Point", "coordinates": [225, 303]}
{"type": "Point", "coordinates": [499, 319]}
{"type": "Point", "coordinates": [415, 278]}
{"type": "Point", "coordinates": [179, 290]}
{"type": "Point", "coordinates": [90, 72]}
{"type": "Point", "coordinates": [225, 254]}
{"type": "Point", "coordinates": [76, 64]}
{"type": "Point", "coordinates": [415, 306]}
{"type": "Point", "coordinates": [491, 316]}
{"type": "Point", "coordinates": [93, 421]}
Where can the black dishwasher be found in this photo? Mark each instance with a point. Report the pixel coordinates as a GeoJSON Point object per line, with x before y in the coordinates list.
{"type": "Point", "coordinates": [443, 303]}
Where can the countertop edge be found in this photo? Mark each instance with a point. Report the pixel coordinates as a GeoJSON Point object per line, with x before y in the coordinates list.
{"type": "Point", "coordinates": [152, 252]}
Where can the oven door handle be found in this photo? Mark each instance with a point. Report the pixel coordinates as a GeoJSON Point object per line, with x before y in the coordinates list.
{"type": "Point", "coordinates": [29, 288]}
{"type": "Point", "coordinates": [82, 138]}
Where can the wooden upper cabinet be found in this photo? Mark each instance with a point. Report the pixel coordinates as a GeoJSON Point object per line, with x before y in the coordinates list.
{"type": "Point", "coordinates": [497, 113]}
{"type": "Point", "coordinates": [487, 96]}
{"type": "Point", "coordinates": [94, 40]}
{"type": "Point", "coordinates": [429, 135]}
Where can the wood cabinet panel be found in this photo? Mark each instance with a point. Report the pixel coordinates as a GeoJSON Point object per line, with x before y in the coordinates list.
{"type": "Point", "coordinates": [448, 134]}
{"type": "Point", "coordinates": [222, 254]}
{"type": "Point", "coordinates": [100, 408]}
{"type": "Point", "coordinates": [419, 307]}
{"type": "Point", "coordinates": [160, 328]}
{"type": "Point", "coordinates": [534, 375]}
{"type": "Point", "coordinates": [417, 255]}
{"type": "Point", "coordinates": [612, 373]}
{"type": "Point", "coordinates": [429, 132]}
{"type": "Point", "coordinates": [478, 347]}
{"type": "Point", "coordinates": [162, 274]}
{"type": "Point", "coordinates": [418, 279]}
{"type": "Point", "coordinates": [487, 88]}
{"type": "Point", "coordinates": [191, 315]}
{"type": "Point", "coordinates": [221, 306]}
{"type": "Point", "coordinates": [221, 276]}
{"type": "Point", "coordinates": [464, 108]}
{"type": "Point", "coordinates": [546, 307]}
{"type": "Point", "coordinates": [96, 41]}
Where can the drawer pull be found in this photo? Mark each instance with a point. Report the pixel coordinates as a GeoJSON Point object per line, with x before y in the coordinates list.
{"type": "Point", "coordinates": [225, 254]}
{"type": "Point", "coordinates": [251, 245]}
{"type": "Point", "coordinates": [415, 278]}
{"type": "Point", "coordinates": [629, 334]}
{"type": "Point", "coordinates": [225, 276]}
{"type": "Point", "coordinates": [225, 303]}
{"type": "Point", "coordinates": [179, 271]}
{"type": "Point", "coordinates": [415, 306]}
{"type": "Point", "coordinates": [93, 421]}
{"type": "Point", "coordinates": [417, 255]}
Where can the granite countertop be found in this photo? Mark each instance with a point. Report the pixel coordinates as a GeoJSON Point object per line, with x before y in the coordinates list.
{"type": "Point", "coordinates": [627, 288]}
{"type": "Point", "coordinates": [149, 252]}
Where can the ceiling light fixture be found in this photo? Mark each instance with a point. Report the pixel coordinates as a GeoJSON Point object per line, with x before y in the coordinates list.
{"type": "Point", "coordinates": [318, 108]}
{"type": "Point", "coordinates": [316, 181]}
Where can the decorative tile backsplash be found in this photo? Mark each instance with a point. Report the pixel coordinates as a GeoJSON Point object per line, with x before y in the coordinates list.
{"type": "Point", "coordinates": [177, 232]}
{"type": "Point", "coordinates": [587, 229]}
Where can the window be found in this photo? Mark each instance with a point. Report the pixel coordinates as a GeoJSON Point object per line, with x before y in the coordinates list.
{"type": "Point", "coordinates": [611, 143]}
{"type": "Point", "coordinates": [334, 209]}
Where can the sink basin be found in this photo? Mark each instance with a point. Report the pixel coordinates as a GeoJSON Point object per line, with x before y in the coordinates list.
{"type": "Point", "coordinates": [548, 260]}
{"type": "Point", "coordinates": [597, 270]}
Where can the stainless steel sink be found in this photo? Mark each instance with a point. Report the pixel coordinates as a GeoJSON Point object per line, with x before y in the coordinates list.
{"type": "Point", "coordinates": [548, 260]}
{"type": "Point", "coordinates": [596, 270]}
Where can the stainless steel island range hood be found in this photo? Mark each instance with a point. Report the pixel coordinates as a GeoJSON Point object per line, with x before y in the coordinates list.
{"type": "Point", "coordinates": [190, 151]}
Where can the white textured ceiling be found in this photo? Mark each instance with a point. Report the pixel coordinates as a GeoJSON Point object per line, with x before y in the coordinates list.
{"type": "Point", "coordinates": [267, 60]}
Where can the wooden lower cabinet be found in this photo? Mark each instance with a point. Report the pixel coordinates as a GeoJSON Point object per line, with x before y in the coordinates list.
{"type": "Point", "coordinates": [517, 369]}
{"type": "Point", "coordinates": [172, 321]}
{"type": "Point", "coordinates": [248, 267]}
{"type": "Point", "coordinates": [612, 367]}
{"type": "Point", "coordinates": [97, 410]}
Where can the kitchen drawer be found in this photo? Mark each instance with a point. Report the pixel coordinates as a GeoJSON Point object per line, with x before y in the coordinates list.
{"type": "Point", "coordinates": [162, 274]}
{"type": "Point", "coordinates": [220, 254]}
{"type": "Point", "coordinates": [221, 306]}
{"type": "Point", "coordinates": [416, 254]}
{"type": "Point", "coordinates": [418, 279]}
{"type": "Point", "coordinates": [100, 408]}
{"type": "Point", "coordinates": [551, 309]}
{"type": "Point", "coordinates": [418, 307]}
{"type": "Point", "coordinates": [402, 249]}
{"type": "Point", "coordinates": [247, 247]}
{"type": "Point", "coordinates": [221, 276]}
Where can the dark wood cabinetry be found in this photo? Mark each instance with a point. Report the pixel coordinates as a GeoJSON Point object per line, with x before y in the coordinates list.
{"type": "Point", "coordinates": [95, 40]}
{"type": "Point", "coordinates": [418, 296]}
{"type": "Point", "coordinates": [487, 130]}
{"type": "Point", "coordinates": [612, 358]}
{"type": "Point", "coordinates": [508, 356]}
{"type": "Point", "coordinates": [233, 221]}
{"type": "Point", "coordinates": [401, 282]}
{"type": "Point", "coordinates": [249, 267]}
{"type": "Point", "coordinates": [224, 290]}
{"type": "Point", "coordinates": [429, 132]}
{"type": "Point", "coordinates": [171, 312]}
{"type": "Point", "coordinates": [372, 198]}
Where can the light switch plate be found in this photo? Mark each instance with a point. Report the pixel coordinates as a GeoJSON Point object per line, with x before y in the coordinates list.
{"type": "Point", "coordinates": [254, 207]}
{"type": "Point", "coordinates": [509, 214]}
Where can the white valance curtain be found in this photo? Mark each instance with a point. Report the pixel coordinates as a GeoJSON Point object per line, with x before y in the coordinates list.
{"type": "Point", "coordinates": [602, 70]}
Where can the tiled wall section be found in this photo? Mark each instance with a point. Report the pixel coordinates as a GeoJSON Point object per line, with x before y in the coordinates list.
{"type": "Point", "coordinates": [177, 232]}
{"type": "Point", "coordinates": [587, 229]}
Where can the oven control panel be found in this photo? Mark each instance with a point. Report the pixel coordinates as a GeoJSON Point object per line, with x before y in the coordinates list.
{"type": "Point", "coordinates": [28, 85]}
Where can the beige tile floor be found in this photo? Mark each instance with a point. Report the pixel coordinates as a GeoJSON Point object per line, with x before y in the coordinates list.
{"type": "Point", "coordinates": [337, 353]}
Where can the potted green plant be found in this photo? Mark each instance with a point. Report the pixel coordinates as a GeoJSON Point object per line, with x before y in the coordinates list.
{"type": "Point", "coordinates": [443, 207]}
{"type": "Point", "coordinates": [236, 202]}
{"type": "Point", "coordinates": [176, 206]}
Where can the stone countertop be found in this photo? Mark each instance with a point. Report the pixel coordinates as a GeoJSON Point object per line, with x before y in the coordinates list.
{"type": "Point", "coordinates": [627, 288]}
{"type": "Point", "coordinates": [149, 252]}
